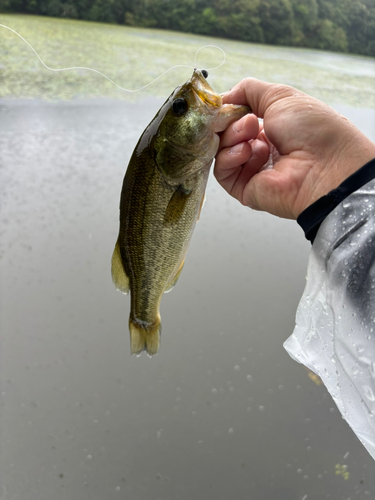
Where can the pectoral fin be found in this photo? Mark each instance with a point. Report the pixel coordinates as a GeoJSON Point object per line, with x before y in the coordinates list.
{"type": "Point", "coordinates": [176, 204]}
{"type": "Point", "coordinates": [172, 283]}
{"type": "Point", "coordinates": [119, 278]}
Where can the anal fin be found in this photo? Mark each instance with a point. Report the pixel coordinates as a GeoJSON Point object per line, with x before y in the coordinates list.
{"type": "Point", "coordinates": [119, 278]}
{"type": "Point", "coordinates": [172, 283]}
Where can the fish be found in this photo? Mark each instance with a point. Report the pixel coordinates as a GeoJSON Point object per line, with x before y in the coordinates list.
{"type": "Point", "coordinates": [161, 199]}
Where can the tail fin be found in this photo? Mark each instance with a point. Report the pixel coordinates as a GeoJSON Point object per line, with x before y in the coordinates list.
{"type": "Point", "coordinates": [144, 338]}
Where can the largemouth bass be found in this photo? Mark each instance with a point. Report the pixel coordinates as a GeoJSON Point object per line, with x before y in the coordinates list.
{"type": "Point", "coordinates": [161, 199]}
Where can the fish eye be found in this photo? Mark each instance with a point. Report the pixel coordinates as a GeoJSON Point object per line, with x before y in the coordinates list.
{"type": "Point", "coordinates": [204, 73]}
{"type": "Point", "coordinates": [179, 106]}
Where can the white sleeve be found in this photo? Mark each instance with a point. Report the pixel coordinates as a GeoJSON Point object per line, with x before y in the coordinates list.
{"type": "Point", "coordinates": [334, 334]}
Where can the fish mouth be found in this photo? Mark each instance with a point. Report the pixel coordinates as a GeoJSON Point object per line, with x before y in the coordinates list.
{"type": "Point", "coordinates": [203, 90]}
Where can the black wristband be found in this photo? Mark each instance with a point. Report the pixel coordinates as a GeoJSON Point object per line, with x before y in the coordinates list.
{"type": "Point", "coordinates": [311, 218]}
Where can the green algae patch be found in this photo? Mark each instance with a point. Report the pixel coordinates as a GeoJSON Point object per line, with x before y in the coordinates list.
{"type": "Point", "coordinates": [133, 57]}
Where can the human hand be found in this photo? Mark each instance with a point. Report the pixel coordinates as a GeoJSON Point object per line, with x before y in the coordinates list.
{"type": "Point", "coordinates": [312, 147]}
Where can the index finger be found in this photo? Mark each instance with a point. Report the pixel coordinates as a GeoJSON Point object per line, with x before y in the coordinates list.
{"type": "Point", "coordinates": [258, 95]}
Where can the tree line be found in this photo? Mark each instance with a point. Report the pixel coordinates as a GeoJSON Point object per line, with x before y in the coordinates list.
{"type": "Point", "coordinates": [339, 25]}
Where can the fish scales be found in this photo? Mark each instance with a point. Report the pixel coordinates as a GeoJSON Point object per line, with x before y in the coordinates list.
{"type": "Point", "coordinates": [161, 199]}
{"type": "Point", "coordinates": [149, 243]}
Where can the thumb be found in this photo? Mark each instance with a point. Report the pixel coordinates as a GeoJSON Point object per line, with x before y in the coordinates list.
{"type": "Point", "coordinates": [258, 95]}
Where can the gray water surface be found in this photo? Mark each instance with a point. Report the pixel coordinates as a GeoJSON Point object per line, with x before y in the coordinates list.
{"type": "Point", "coordinates": [222, 411]}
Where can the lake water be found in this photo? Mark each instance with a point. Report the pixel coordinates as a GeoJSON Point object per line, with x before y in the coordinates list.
{"type": "Point", "coordinates": [222, 411]}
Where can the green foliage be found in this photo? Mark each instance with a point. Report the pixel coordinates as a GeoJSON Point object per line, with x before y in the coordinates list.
{"type": "Point", "coordinates": [277, 21]}
{"type": "Point", "coordinates": [60, 8]}
{"type": "Point", "coordinates": [341, 25]}
{"type": "Point", "coordinates": [102, 11]}
{"type": "Point", "coordinates": [331, 37]}
{"type": "Point", "coordinates": [239, 19]}
{"type": "Point", "coordinates": [5, 6]}
{"type": "Point", "coordinates": [305, 14]}
{"type": "Point", "coordinates": [361, 27]}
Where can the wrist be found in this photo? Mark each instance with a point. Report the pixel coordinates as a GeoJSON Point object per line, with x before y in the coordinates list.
{"type": "Point", "coordinates": [348, 158]}
{"type": "Point", "coordinates": [312, 217]}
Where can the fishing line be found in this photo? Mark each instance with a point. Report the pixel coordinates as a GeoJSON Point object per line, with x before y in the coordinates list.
{"type": "Point", "coordinates": [109, 79]}
{"type": "Point", "coordinates": [215, 47]}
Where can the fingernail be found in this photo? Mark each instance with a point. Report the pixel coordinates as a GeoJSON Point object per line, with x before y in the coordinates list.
{"type": "Point", "coordinates": [238, 126]}
{"type": "Point", "coordinates": [237, 149]}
